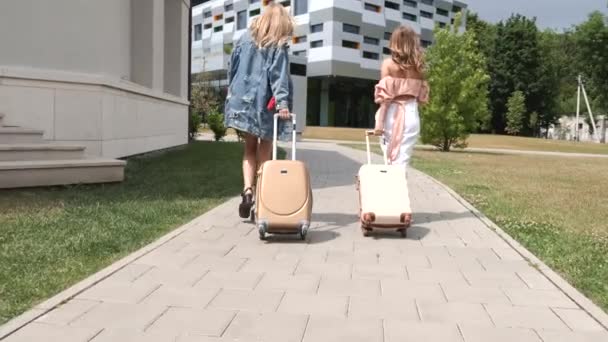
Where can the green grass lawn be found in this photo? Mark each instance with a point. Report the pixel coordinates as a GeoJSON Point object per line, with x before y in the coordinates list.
{"type": "Point", "coordinates": [555, 206]}
{"type": "Point", "coordinates": [50, 238]}
{"type": "Point", "coordinates": [474, 141]}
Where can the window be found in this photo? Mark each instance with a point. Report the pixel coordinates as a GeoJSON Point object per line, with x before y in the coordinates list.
{"type": "Point", "coordinates": [349, 44]}
{"type": "Point", "coordinates": [425, 14]}
{"type": "Point", "coordinates": [241, 20]}
{"type": "Point", "coordinates": [207, 14]}
{"type": "Point", "coordinates": [207, 26]}
{"type": "Point", "coordinates": [300, 39]}
{"type": "Point", "coordinates": [452, 21]}
{"type": "Point", "coordinates": [218, 17]}
{"type": "Point", "coordinates": [316, 44]}
{"type": "Point", "coordinates": [409, 17]}
{"type": "Point", "coordinates": [316, 28]}
{"type": "Point", "coordinates": [386, 51]}
{"type": "Point", "coordinates": [371, 55]}
{"type": "Point", "coordinates": [254, 12]}
{"type": "Point", "coordinates": [410, 3]}
{"type": "Point", "coordinates": [198, 32]}
{"type": "Point", "coordinates": [442, 25]}
{"type": "Point", "coordinates": [391, 5]}
{"type": "Point", "coordinates": [372, 7]}
{"type": "Point", "coordinates": [299, 53]}
{"type": "Point", "coordinates": [218, 28]}
{"type": "Point", "coordinates": [371, 40]}
{"type": "Point", "coordinates": [253, 1]}
{"type": "Point", "coordinates": [286, 3]}
{"type": "Point", "coordinates": [425, 43]}
{"type": "Point", "coordinates": [427, 2]}
{"type": "Point", "coordinates": [297, 69]}
{"type": "Point", "coordinates": [441, 11]}
{"type": "Point", "coordinates": [301, 7]}
{"type": "Point", "coordinates": [229, 7]}
{"type": "Point", "coordinates": [387, 35]}
{"type": "Point", "coordinates": [350, 28]}
{"type": "Point", "coordinates": [229, 20]}
{"type": "Point", "coordinates": [456, 9]}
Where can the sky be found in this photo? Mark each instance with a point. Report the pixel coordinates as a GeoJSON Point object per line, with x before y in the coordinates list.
{"type": "Point", "coordinates": [555, 14]}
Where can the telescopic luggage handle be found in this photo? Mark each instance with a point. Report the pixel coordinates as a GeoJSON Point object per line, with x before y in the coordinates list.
{"type": "Point", "coordinates": [293, 137]}
{"type": "Point", "coordinates": [369, 133]}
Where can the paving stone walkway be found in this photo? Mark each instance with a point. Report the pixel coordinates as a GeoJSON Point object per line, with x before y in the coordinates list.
{"type": "Point", "coordinates": [452, 279]}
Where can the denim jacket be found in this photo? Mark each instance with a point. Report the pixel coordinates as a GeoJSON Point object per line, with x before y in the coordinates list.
{"type": "Point", "coordinates": [256, 75]}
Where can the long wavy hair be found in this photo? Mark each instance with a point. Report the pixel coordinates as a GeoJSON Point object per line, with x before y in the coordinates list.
{"type": "Point", "coordinates": [273, 28]}
{"type": "Point", "coordinates": [406, 51]}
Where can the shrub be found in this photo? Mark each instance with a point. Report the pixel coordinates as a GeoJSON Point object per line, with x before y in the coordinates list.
{"type": "Point", "coordinates": [215, 120]}
{"type": "Point", "coordinates": [193, 124]}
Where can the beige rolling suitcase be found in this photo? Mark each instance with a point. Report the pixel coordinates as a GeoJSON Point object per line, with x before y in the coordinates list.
{"type": "Point", "coordinates": [283, 203]}
{"type": "Point", "coordinates": [383, 195]}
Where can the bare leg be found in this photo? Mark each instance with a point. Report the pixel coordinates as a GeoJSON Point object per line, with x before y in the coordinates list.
{"type": "Point", "coordinates": [264, 151]}
{"type": "Point", "coordinates": [249, 160]}
{"type": "Point", "coordinates": [249, 169]}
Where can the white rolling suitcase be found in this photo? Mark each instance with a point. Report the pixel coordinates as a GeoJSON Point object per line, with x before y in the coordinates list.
{"type": "Point", "coordinates": [383, 195]}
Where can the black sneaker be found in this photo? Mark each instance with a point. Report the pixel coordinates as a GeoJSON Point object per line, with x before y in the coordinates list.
{"type": "Point", "coordinates": [246, 203]}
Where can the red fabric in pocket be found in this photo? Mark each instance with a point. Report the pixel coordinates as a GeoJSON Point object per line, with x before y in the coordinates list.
{"type": "Point", "coordinates": [271, 104]}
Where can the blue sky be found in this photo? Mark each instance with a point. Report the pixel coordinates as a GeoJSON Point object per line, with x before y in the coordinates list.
{"type": "Point", "coordinates": [556, 14]}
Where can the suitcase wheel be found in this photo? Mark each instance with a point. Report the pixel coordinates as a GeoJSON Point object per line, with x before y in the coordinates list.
{"type": "Point", "coordinates": [262, 231]}
{"type": "Point", "coordinates": [366, 231]}
{"type": "Point", "coordinates": [303, 231]}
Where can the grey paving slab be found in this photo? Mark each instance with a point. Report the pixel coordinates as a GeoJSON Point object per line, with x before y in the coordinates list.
{"type": "Point", "coordinates": [451, 279]}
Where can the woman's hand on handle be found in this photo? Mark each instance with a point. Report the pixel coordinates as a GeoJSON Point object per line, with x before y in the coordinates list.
{"type": "Point", "coordinates": [284, 114]}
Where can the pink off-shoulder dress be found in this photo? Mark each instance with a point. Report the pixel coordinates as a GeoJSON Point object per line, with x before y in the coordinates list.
{"type": "Point", "coordinates": [398, 118]}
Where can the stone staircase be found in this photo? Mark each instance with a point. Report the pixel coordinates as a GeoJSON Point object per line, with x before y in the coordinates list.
{"type": "Point", "coordinates": [27, 160]}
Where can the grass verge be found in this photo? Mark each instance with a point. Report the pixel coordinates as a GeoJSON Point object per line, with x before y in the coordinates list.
{"type": "Point", "coordinates": [555, 207]}
{"type": "Point", "coordinates": [50, 238]}
{"type": "Point", "coordinates": [475, 141]}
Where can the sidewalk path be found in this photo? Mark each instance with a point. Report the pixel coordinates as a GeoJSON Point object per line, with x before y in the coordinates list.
{"type": "Point", "coordinates": [452, 279]}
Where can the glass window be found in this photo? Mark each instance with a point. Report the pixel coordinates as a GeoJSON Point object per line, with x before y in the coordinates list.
{"type": "Point", "coordinates": [207, 26]}
{"type": "Point", "coordinates": [218, 29]}
{"type": "Point", "coordinates": [300, 39]}
{"type": "Point", "coordinates": [387, 35]}
{"type": "Point", "coordinates": [425, 43]}
{"type": "Point", "coordinates": [254, 12]}
{"type": "Point", "coordinates": [427, 2]}
{"type": "Point", "coordinates": [299, 53]}
{"type": "Point", "coordinates": [410, 3]}
{"type": "Point", "coordinates": [371, 40]}
{"type": "Point", "coordinates": [410, 17]}
{"type": "Point", "coordinates": [350, 28]}
{"type": "Point", "coordinates": [207, 14]}
{"type": "Point", "coordinates": [229, 20]}
{"type": "Point", "coordinates": [301, 7]}
{"type": "Point", "coordinates": [198, 32]}
{"type": "Point", "coordinates": [386, 51]}
{"type": "Point", "coordinates": [316, 28]}
{"type": "Point", "coordinates": [316, 44]}
{"type": "Point", "coordinates": [297, 69]}
{"type": "Point", "coordinates": [441, 11]}
{"type": "Point", "coordinates": [253, 1]}
{"type": "Point", "coordinates": [371, 55]}
{"type": "Point", "coordinates": [425, 14]}
{"type": "Point", "coordinates": [241, 20]}
{"type": "Point", "coordinates": [372, 7]}
{"type": "Point", "coordinates": [391, 5]}
{"type": "Point", "coordinates": [229, 7]}
{"type": "Point", "coordinates": [349, 44]}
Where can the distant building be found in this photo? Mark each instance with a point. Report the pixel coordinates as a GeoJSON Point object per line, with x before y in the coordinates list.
{"type": "Point", "coordinates": [336, 51]}
{"type": "Point", "coordinates": [565, 129]}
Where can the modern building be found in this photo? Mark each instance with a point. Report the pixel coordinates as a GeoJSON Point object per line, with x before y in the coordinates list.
{"type": "Point", "coordinates": [84, 79]}
{"type": "Point", "coordinates": [336, 51]}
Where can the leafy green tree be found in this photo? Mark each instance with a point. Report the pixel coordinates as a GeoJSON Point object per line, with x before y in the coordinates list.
{"type": "Point", "coordinates": [534, 123]}
{"type": "Point", "coordinates": [516, 109]}
{"type": "Point", "coordinates": [459, 92]}
{"type": "Point", "coordinates": [516, 64]}
{"type": "Point", "coordinates": [592, 50]}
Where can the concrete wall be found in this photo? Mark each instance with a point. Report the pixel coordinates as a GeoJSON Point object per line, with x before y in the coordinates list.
{"type": "Point", "coordinates": [98, 73]}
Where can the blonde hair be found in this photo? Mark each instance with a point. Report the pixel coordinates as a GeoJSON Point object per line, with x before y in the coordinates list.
{"type": "Point", "coordinates": [406, 51]}
{"type": "Point", "coordinates": [273, 28]}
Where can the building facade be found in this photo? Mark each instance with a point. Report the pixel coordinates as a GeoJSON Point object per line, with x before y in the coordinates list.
{"type": "Point", "coordinates": [109, 75]}
{"type": "Point", "coordinates": [336, 51]}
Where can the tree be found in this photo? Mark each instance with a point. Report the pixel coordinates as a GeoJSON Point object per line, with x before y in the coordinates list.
{"type": "Point", "coordinates": [459, 92]}
{"type": "Point", "coordinates": [516, 65]}
{"type": "Point", "coordinates": [592, 49]}
{"type": "Point", "coordinates": [516, 109]}
{"type": "Point", "coordinates": [534, 123]}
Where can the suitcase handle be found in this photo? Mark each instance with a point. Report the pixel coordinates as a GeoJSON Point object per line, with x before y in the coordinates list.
{"type": "Point", "coordinates": [293, 137]}
{"type": "Point", "coordinates": [368, 133]}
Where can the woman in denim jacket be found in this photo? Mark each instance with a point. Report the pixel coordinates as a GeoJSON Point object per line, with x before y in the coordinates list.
{"type": "Point", "coordinates": [259, 70]}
